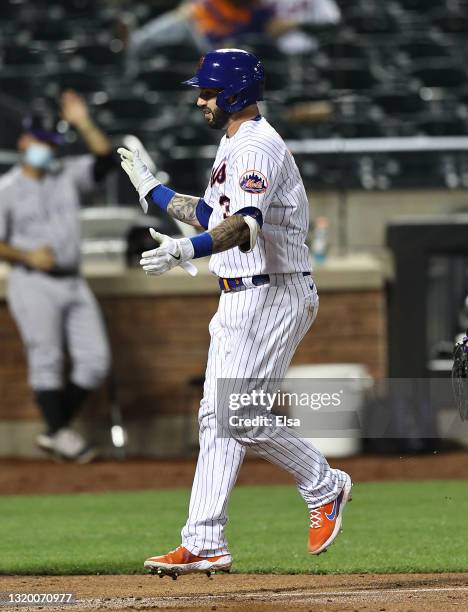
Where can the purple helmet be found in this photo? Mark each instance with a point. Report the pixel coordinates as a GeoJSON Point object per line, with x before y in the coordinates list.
{"type": "Point", "coordinates": [43, 124]}
{"type": "Point", "coordinates": [238, 75]}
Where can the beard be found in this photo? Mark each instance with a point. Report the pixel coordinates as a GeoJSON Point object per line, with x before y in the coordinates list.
{"type": "Point", "coordinates": [217, 119]}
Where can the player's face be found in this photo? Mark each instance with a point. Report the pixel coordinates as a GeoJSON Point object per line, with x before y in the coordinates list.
{"type": "Point", "coordinates": [215, 117]}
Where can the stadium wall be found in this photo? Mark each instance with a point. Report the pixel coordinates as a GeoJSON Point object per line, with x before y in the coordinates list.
{"type": "Point", "coordinates": [158, 348]}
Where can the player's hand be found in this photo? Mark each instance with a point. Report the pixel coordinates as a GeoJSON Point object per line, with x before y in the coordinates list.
{"type": "Point", "coordinates": [170, 253]}
{"type": "Point", "coordinates": [138, 173]}
{"type": "Point", "coordinates": [74, 108]}
{"type": "Point", "coordinates": [41, 259]}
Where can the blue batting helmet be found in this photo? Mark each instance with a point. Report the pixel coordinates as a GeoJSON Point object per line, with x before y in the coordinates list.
{"type": "Point", "coordinates": [238, 75]}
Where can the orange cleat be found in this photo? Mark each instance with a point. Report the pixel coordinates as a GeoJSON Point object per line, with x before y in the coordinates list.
{"type": "Point", "coordinates": [325, 522]}
{"type": "Point", "coordinates": [182, 561]}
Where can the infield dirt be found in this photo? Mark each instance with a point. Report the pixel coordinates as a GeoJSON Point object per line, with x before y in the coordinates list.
{"type": "Point", "coordinates": [35, 477]}
{"type": "Point", "coordinates": [392, 593]}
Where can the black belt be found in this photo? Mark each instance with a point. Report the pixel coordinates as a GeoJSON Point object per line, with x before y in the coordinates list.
{"type": "Point", "coordinates": [234, 284]}
{"type": "Point", "coordinates": [63, 272]}
{"type": "Point", "coordinates": [55, 272]}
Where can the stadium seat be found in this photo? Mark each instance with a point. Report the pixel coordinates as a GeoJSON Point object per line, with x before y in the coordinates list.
{"type": "Point", "coordinates": [183, 52]}
{"type": "Point", "coordinates": [355, 77]}
{"type": "Point", "coordinates": [24, 55]}
{"type": "Point", "coordinates": [442, 102]}
{"type": "Point", "coordinates": [278, 77]}
{"type": "Point", "coordinates": [19, 86]}
{"type": "Point", "coordinates": [398, 102]}
{"type": "Point", "coordinates": [8, 9]}
{"type": "Point", "coordinates": [356, 129]}
{"type": "Point", "coordinates": [78, 8]}
{"type": "Point", "coordinates": [377, 172]}
{"type": "Point", "coordinates": [124, 107]}
{"type": "Point", "coordinates": [452, 22]}
{"type": "Point", "coordinates": [424, 49]}
{"type": "Point", "coordinates": [390, 69]}
{"type": "Point", "coordinates": [187, 134]}
{"type": "Point", "coordinates": [419, 5]}
{"type": "Point", "coordinates": [339, 50]}
{"type": "Point", "coordinates": [372, 21]}
{"type": "Point", "coordinates": [428, 170]}
{"type": "Point", "coordinates": [442, 126]}
{"type": "Point", "coordinates": [84, 82]}
{"type": "Point", "coordinates": [186, 174]}
{"type": "Point", "coordinates": [352, 106]}
{"type": "Point", "coordinates": [439, 74]}
{"type": "Point", "coordinates": [164, 79]}
{"type": "Point", "coordinates": [10, 127]}
{"type": "Point", "coordinates": [11, 14]}
{"type": "Point", "coordinates": [99, 54]}
{"type": "Point", "coordinates": [328, 172]}
{"type": "Point", "coordinates": [399, 127]}
{"type": "Point", "coordinates": [462, 96]}
{"type": "Point", "coordinates": [52, 30]}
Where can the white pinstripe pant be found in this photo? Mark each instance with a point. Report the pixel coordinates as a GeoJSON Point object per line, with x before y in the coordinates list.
{"type": "Point", "coordinates": [254, 334]}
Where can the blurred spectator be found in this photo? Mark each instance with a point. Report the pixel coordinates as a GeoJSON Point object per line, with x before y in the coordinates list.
{"type": "Point", "coordinates": [300, 13]}
{"type": "Point", "coordinates": [318, 12]}
{"type": "Point", "coordinates": [205, 24]}
{"type": "Point", "coordinates": [50, 301]}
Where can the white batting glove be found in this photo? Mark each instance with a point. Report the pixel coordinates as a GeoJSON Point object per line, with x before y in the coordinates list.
{"type": "Point", "coordinates": [138, 172]}
{"type": "Point", "coordinates": [170, 253]}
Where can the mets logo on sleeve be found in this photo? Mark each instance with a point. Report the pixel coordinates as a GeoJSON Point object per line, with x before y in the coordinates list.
{"type": "Point", "coordinates": [253, 182]}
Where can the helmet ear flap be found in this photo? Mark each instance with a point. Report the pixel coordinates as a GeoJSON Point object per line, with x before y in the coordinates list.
{"type": "Point", "coordinates": [232, 102]}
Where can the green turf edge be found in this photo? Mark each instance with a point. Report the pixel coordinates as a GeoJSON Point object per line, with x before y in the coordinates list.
{"type": "Point", "coordinates": [389, 528]}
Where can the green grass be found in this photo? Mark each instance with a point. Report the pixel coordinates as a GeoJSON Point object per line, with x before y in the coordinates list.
{"type": "Point", "coordinates": [389, 527]}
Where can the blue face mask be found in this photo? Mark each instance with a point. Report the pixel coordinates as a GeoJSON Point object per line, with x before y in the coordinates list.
{"type": "Point", "coordinates": [38, 156]}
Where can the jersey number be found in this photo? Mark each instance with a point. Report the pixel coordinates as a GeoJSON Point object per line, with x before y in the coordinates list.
{"type": "Point", "coordinates": [219, 175]}
{"type": "Point", "coordinates": [224, 201]}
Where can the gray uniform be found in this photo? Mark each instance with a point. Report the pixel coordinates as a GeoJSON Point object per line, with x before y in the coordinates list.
{"type": "Point", "coordinates": [52, 311]}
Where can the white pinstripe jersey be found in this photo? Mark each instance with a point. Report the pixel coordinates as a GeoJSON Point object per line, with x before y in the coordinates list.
{"type": "Point", "coordinates": [254, 168]}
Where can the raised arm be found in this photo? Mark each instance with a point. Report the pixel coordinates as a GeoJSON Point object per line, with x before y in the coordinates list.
{"type": "Point", "coordinates": [180, 206]}
{"type": "Point", "coordinates": [75, 110]}
{"type": "Point", "coordinates": [235, 231]}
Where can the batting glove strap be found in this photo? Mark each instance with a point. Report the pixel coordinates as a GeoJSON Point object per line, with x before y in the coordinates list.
{"type": "Point", "coordinates": [186, 249]}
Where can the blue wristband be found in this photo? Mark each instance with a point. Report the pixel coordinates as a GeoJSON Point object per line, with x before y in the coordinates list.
{"type": "Point", "coordinates": [202, 245]}
{"type": "Point", "coordinates": [161, 196]}
{"type": "Point", "coordinates": [203, 213]}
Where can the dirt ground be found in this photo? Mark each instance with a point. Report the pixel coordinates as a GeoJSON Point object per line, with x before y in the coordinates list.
{"type": "Point", "coordinates": [393, 593]}
{"type": "Point", "coordinates": [259, 593]}
{"type": "Point", "coordinates": [27, 477]}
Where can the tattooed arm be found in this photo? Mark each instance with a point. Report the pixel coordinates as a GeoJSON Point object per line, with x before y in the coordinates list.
{"type": "Point", "coordinates": [184, 208]}
{"type": "Point", "coordinates": [232, 232]}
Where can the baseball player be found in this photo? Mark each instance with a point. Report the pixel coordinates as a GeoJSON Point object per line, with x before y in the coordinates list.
{"type": "Point", "coordinates": [255, 211]}
{"type": "Point", "coordinates": [49, 300]}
